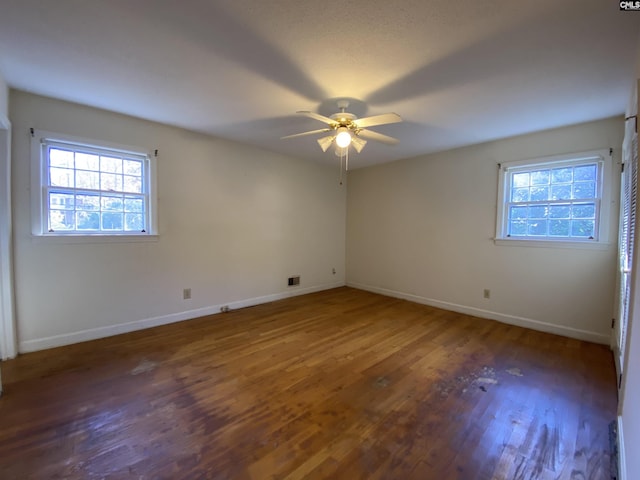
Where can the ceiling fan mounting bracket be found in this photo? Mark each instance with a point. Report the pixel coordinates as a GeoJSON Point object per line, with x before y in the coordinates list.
{"type": "Point", "coordinates": [343, 104]}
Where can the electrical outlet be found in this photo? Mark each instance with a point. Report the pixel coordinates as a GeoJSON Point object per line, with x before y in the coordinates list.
{"type": "Point", "coordinates": [487, 293]}
{"type": "Point", "coordinates": [186, 294]}
{"type": "Point", "coordinates": [333, 270]}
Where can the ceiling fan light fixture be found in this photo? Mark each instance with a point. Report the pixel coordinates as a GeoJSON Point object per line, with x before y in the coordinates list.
{"type": "Point", "coordinates": [325, 142]}
{"type": "Point", "coordinates": [343, 138]}
{"type": "Point", "coordinates": [346, 130]}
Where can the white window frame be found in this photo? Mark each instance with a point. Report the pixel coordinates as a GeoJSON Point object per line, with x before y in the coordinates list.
{"type": "Point", "coordinates": [603, 206]}
{"type": "Point", "coordinates": [40, 139]}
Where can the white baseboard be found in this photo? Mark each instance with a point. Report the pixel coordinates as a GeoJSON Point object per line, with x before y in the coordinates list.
{"type": "Point", "coordinates": [622, 463]}
{"type": "Point", "coordinates": [500, 317]}
{"type": "Point", "coordinates": [110, 330]}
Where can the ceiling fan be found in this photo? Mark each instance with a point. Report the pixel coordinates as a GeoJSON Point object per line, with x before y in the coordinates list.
{"type": "Point", "coordinates": [347, 129]}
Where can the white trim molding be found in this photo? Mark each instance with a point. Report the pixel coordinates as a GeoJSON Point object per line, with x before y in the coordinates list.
{"type": "Point", "coordinates": [8, 344]}
{"type": "Point", "coordinates": [117, 329]}
{"type": "Point", "coordinates": [488, 314]}
{"type": "Point", "coordinates": [622, 463]}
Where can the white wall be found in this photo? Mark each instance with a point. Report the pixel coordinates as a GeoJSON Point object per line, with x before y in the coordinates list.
{"type": "Point", "coordinates": [629, 422]}
{"type": "Point", "coordinates": [234, 223]}
{"type": "Point", "coordinates": [422, 229]}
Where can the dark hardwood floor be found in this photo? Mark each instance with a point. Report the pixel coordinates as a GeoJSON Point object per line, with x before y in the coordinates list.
{"type": "Point", "coordinates": [342, 384]}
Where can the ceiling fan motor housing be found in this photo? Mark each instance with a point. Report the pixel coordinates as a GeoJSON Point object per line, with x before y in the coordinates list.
{"type": "Point", "coordinates": [344, 119]}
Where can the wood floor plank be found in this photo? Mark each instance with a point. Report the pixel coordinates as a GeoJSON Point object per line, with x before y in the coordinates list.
{"type": "Point", "coordinates": [340, 384]}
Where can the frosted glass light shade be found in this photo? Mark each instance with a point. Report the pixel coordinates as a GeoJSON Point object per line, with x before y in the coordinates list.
{"type": "Point", "coordinates": [343, 139]}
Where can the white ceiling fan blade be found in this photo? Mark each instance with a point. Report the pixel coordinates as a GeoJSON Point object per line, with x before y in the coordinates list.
{"type": "Point", "coordinates": [315, 116]}
{"type": "Point", "coordinates": [325, 142]}
{"type": "Point", "coordinates": [378, 137]}
{"type": "Point", "coordinates": [383, 119]}
{"type": "Point", "coordinates": [358, 143]}
{"type": "Point", "coordinates": [312, 132]}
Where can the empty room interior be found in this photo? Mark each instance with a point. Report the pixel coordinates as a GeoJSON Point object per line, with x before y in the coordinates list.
{"type": "Point", "coordinates": [298, 240]}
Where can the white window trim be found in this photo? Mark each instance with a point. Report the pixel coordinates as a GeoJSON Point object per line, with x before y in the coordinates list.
{"type": "Point", "coordinates": [38, 173]}
{"type": "Point", "coordinates": [604, 187]}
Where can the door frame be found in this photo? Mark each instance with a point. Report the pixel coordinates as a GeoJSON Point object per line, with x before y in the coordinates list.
{"type": "Point", "coordinates": [8, 334]}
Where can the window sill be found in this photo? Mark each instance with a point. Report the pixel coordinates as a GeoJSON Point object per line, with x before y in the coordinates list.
{"type": "Point", "coordinates": [70, 239]}
{"type": "Point", "coordinates": [515, 242]}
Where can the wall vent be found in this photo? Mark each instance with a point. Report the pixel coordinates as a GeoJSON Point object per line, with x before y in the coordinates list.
{"type": "Point", "coordinates": [293, 281]}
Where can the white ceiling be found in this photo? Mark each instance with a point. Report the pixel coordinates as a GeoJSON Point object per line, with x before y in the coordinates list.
{"type": "Point", "coordinates": [459, 72]}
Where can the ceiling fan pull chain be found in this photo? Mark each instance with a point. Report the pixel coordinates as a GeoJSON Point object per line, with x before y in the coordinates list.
{"type": "Point", "coordinates": [346, 164]}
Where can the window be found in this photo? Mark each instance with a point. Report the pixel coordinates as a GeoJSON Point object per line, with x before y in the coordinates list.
{"type": "Point", "coordinates": [555, 199]}
{"type": "Point", "coordinates": [83, 187]}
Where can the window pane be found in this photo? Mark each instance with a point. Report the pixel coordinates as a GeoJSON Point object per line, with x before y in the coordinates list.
{"type": "Point", "coordinates": [88, 180]}
{"type": "Point", "coordinates": [86, 161]}
{"type": "Point", "coordinates": [562, 175]}
{"type": "Point", "coordinates": [61, 220]}
{"type": "Point", "coordinates": [132, 184]}
{"type": "Point", "coordinates": [537, 227]}
{"type": "Point", "coordinates": [132, 167]}
{"type": "Point", "coordinates": [538, 212]}
{"type": "Point", "coordinates": [540, 177]}
{"type": "Point", "coordinates": [133, 222]}
{"type": "Point", "coordinates": [88, 202]}
{"type": "Point", "coordinates": [587, 210]}
{"type": "Point", "coordinates": [582, 228]}
{"type": "Point", "coordinates": [111, 164]}
{"type": "Point", "coordinates": [518, 228]}
{"type": "Point", "coordinates": [520, 180]}
{"type": "Point", "coordinates": [559, 211]}
{"type": "Point", "coordinates": [61, 177]}
{"type": "Point", "coordinates": [561, 192]}
{"type": "Point", "coordinates": [584, 190]}
{"type": "Point", "coordinates": [88, 220]}
{"type": "Point", "coordinates": [518, 213]}
{"type": "Point", "coordinates": [112, 203]}
{"type": "Point", "coordinates": [588, 172]}
{"type": "Point", "coordinates": [520, 195]}
{"type": "Point", "coordinates": [539, 194]}
{"type": "Point", "coordinates": [559, 228]}
{"type": "Point", "coordinates": [111, 221]}
{"type": "Point", "coordinates": [135, 205]}
{"type": "Point", "coordinates": [61, 201]}
{"type": "Point", "coordinates": [60, 158]}
{"type": "Point", "coordinates": [111, 182]}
